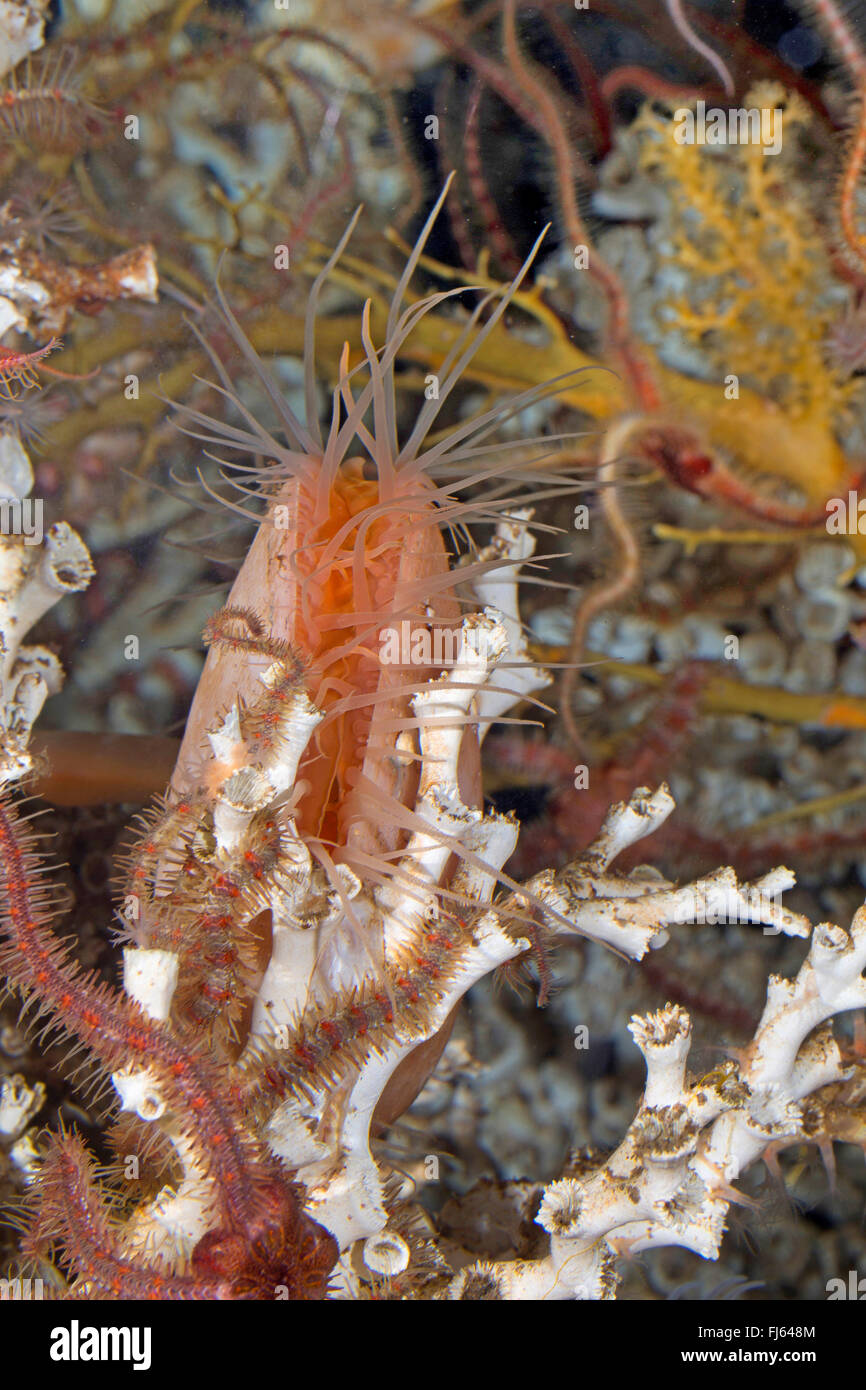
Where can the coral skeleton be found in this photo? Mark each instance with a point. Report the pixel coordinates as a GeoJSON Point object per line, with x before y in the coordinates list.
{"type": "Point", "coordinates": [37, 571]}
{"type": "Point", "coordinates": [321, 886]}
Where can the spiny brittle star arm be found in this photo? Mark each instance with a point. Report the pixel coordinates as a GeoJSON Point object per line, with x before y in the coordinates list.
{"type": "Point", "coordinates": [851, 53]}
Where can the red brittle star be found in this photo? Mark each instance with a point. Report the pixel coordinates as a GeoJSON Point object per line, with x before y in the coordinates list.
{"type": "Point", "coordinates": [22, 368]}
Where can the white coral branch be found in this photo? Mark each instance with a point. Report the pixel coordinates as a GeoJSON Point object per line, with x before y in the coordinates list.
{"type": "Point", "coordinates": [36, 571]}
{"type": "Point", "coordinates": [632, 913]}
{"type": "Point", "coordinates": [669, 1182]}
